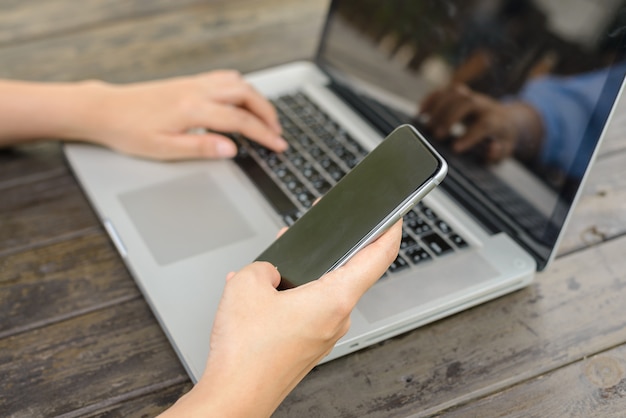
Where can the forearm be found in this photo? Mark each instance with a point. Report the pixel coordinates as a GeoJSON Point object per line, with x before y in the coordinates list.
{"type": "Point", "coordinates": [243, 385]}
{"type": "Point", "coordinates": [31, 111]}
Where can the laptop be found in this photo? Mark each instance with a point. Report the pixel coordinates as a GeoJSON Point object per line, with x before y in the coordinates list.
{"type": "Point", "coordinates": [484, 232]}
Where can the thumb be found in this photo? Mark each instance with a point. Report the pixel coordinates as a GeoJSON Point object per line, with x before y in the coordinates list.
{"type": "Point", "coordinates": [261, 272]}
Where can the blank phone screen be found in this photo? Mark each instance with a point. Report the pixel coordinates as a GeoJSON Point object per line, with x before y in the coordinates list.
{"type": "Point", "coordinates": [357, 204]}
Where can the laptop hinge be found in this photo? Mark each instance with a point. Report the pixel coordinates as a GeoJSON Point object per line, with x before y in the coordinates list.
{"type": "Point", "coordinates": [384, 120]}
{"type": "Point", "coordinates": [377, 115]}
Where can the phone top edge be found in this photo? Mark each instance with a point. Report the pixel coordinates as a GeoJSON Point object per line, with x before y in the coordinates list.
{"type": "Point", "coordinates": [399, 212]}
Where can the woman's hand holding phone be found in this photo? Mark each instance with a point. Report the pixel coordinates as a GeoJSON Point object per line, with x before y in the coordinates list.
{"type": "Point", "coordinates": [264, 341]}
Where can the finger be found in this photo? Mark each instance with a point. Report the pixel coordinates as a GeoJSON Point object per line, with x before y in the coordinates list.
{"type": "Point", "coordinates": [367, 266]}
{"type": "Point", "coordinates": [226, 118]}
{"type": "Point", "coordinates": [498, 150]}
{"type": "Point", "coordinates": [475, 134]}
{"type": "Point", "coordinates": [450, 122]}
{"type": "Point", "coordinates": [234, 89]}
{"type": "Point", "coordinates": [441, 113]}
{"type": "Point", "coordinates": [248, 98]}
{"type": "Point", "coordinates": [494, 152]}
{"type": "Point", "coordinates": [430, 101]}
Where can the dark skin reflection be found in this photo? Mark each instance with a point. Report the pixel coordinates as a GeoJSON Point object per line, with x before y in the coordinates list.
{"type": "Point", "coordinates": [473, 122]}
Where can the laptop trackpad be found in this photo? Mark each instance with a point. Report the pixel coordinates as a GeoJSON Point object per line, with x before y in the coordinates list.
{"type": "Point", "coordinates": [446, 277]}
{"type": "Point", "coordinates": [185, 217]}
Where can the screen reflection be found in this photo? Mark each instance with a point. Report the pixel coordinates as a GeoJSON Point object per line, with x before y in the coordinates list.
{"type": "Point", "coordinates": [514, 93]}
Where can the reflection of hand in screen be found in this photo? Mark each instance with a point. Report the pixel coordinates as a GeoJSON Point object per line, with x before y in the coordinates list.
{"type": "Point", "coordinates": [475, 122]}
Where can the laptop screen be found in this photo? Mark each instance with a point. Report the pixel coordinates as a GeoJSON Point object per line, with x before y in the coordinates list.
{"type": "Point", "coordinates": [514, 93]}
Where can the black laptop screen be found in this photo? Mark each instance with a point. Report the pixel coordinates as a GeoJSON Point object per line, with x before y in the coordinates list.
{"type": "Point", "coordinates": [514, 93]}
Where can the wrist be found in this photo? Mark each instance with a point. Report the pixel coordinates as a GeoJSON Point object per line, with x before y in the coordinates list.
{"type": "Point", "coordinates": [529, 128]}
{"type": "Point", "coordinates": [225, 383]}
{"type": "Point", "coordinates": [221, 396]}
{"type": "Point", "coordinates": [82, 115]}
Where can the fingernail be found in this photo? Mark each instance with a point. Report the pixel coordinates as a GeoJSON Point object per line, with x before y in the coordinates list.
{"type": "Point", "coordinates": [282, 143]}
{"type": "Point", "coordinates": [225, 149]}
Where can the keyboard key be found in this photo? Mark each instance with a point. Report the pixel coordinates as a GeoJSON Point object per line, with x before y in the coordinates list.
{"type": "Point", "coordinates": [437, 244]}
{"type": "Point", "coordinates": [307, 170]}
{"type": "Point", "coordinates": [398, 264]}
{"type": "Point", "coordinates": [335, 171]}
{"type": "Point", "coordinates": [280, 170]}
{"type": "Point", "coordinates": [306, 199]}
{"type": "Point", "coordinates": [443, 226]}
{"type": "Point", "coordinates": [321, 185]}
{"type": "Point", "coordinates": [417, 255]}
{"type": "Point", "coordinates": [350, 159]}
{"type": "Point", "coordinates": [418, 225]}
{"type": "Point", "coordinates": [429, 213]}
{"type": "Point", "coordinates": [407, 241]}
{"type": "Point", "coordinates": [458, 241]}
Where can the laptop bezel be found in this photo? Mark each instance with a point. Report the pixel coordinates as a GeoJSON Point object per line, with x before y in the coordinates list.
{"type": "Point", "coordinates": [489, 215]}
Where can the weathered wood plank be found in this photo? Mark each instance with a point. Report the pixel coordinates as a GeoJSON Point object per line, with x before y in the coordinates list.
{"type": "Point", "coordinates": [146, 406]}
{"type": "Point", "coordinates": [592, 387]}
{"type": "Point", "coordinates": [600, 214]}
{"type": "Point", "coordinates": [63, 280]}
{"type": "Point", "coordinates": [189, 40]}
{"type": "Point", "coordinates": [26, 163]}
{"type": "Point", "coordinates": [49, 207]}
{"type": "Point", "coordinates": [87, 363]}
{"type": "Point", "coordinates": [21, 21]}
{"type": "Point", "coordinates": [615, 139]}
{"type": "Point", "coordinates": [573, 310]}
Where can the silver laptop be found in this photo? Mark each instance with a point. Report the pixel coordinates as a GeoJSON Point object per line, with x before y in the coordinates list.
{"type": "Point", "coordinates": [181, 227]}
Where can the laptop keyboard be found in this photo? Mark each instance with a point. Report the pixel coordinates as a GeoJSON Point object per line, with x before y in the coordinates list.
{"type": "Point", "coordinates": [321, 152]}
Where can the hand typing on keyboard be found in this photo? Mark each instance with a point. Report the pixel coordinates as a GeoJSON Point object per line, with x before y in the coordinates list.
{"type": "Point", "coordinates": [321, 152]}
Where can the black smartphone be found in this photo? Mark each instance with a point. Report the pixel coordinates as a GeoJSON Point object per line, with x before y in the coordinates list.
{"type": "Point", "coordinates": [368, 200]}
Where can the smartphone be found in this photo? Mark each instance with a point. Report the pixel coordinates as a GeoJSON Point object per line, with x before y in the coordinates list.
{"type": "Point", "coordinates": [368, 200]}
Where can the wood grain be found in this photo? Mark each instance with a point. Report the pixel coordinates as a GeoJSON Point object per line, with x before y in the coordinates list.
{"type": "Point", "coordinates": [56, 282]}
{"type": "Point", "coordinates": [77, 339]}
{"type": "Point", "coordinates": [615, 135]}
{"type": "Point", "coordinates": [591, 387]}
{"type": "Point", "coordinates": [27, 163]}
{"type": "Point", "coordinates": [21, 22]}
{"type": "Point", "coordinates": [600, 213]}
{"type": "Point", "coordinates": [149, 405]}
{"type": "Point", "coordinates": [574, 309]}
{"type": "Point", "coordinates": [86, 363]}
{"type": "Point", "coordinates": [47, 208]}
{"type": "Point", "coordinates": [187, 40]}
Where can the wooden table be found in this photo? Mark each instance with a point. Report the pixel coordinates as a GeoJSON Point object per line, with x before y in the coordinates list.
{"type": "Point", "coordinates": [77, 338]}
